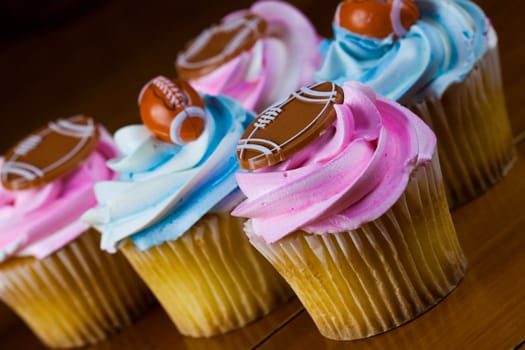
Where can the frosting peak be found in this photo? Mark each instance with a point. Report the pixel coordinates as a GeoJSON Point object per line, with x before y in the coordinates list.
{"type": "Point", "coordinates": [350, 175]}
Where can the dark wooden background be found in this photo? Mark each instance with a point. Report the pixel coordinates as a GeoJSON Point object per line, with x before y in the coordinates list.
{"type": "Point", "coordinates": [94, 57]}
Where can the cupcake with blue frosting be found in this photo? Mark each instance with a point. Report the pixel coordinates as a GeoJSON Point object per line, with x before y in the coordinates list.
{"type": "Point", "coordinates": [169, 211]}
{"type": "Point", "coordinates": [439, 58]}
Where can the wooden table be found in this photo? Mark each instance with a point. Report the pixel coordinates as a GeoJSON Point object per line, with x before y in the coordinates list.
{"type": "Point", "coordinates": [96, 61]}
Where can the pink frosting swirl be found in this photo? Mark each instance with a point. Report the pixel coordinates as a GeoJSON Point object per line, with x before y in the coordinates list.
{"type": "Point", "coordinates": [350, 175]}
{"type": "Point", "coordinates": [277, 64]}
{"type": "Point", "coordinates": [39, 221]}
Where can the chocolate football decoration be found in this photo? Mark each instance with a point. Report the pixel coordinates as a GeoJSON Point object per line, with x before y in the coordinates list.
{"type": "Point", "coordinates": [219, 44]}
{"type": "Point", "coordinates": [172, 110]}
{"type": "Point", "coordinates": [284, 129]}
{"type": "Point", "coordinates": [49, 153]}
{"type": "Point", "coordinates": [377, 19]}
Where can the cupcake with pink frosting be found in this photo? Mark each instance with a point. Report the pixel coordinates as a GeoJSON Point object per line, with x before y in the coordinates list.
{"type": "Point", "coordinates": [345, 198]}
{"type": "Point", "coordinates": [256, 56]}
{"type": "Point", "coordinates": [52, 272]}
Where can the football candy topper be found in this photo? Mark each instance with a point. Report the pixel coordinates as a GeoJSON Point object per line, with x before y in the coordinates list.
{"type": "Point", "coordinates": [49, 153]}
{"type": "Point", "coordinates": [219, 44]}
{"type": "Point", "coordinates": [285, 128]}
{"type": "Point", "coordinates": [172, 110]}
{"type": "Point", "coordinates": [375, 18]}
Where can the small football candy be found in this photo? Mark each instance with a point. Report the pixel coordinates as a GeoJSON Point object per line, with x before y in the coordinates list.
{"type": "Point", "coordinates": [284, 129]}
{"type": "Point", "coordinates": [172, 110]}
{"type": "Point", "coordinates": [219, 44]}
{"type": "Point", "coordinates": [49, 153]}
{"type": "Point", "coordinates": [377, 19]}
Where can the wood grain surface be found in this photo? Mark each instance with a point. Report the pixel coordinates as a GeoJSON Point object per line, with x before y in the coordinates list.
{"type": "Point", "coordinates": [94, 60]}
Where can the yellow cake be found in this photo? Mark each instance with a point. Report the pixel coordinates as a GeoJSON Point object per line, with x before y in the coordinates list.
{"type": "Point", "coordinates": [475, 139]}
{"type": "Point", "coordinates": [78, 295]}
{"type": "Point", "coordinates": [363, 282]}
{"type": "Point", "coordinates": [210, 280]}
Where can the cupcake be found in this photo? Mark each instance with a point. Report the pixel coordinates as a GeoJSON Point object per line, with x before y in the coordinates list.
{"type": "Point", "coordinates": [52, 273]}
{"type": "Point", "coordinates": [345, 199]}
{"type": "Point", "coordinates": [440, 59]}
{"type": "Point", "coordinates": [255, 56]}
{"type": "Point", "coordinates": [169, 211]}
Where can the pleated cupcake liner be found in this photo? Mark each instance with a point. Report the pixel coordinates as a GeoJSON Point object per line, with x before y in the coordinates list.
{"type": "Point", "coordinates": [364, 282]}
{"type": "Point", "coordinates": [210, 280]}
{"type": "Point", "coordinates": [77, 296]}
{"type": "Point", "coordinates": [473, 131]}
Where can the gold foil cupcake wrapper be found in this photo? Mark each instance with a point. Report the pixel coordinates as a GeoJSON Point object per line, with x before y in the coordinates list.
{"type": "Point", "coordinates": [210, 280]}
{"type": "Point", "coordinates": [360, 283]}
{"type": "Point", "coordinates": [77, 296]}
{"type": "Point", "coordinates": [473, 131]}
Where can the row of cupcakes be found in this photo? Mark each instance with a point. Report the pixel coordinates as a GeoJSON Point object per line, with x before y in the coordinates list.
{"type": "Point", "coordinates": [342, 188]}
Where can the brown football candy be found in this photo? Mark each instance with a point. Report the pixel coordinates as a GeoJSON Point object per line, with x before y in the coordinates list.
{"type": "Point", "coordinates": [372, 18]}
{"type": "Point", "coordinates": [49, 153]}
{"type": "Point", "coordinates": [219, 44]}
{"type": "Point", "coordinates": [172, 110]}
{"type": "Point", "coordinates": [285, 128]}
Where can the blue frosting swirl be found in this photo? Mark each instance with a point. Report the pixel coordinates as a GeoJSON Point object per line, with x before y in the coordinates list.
{"type": "Point", "coordinates": [440, 49]}
{"type": "Point", "coordinates": [164, 189]}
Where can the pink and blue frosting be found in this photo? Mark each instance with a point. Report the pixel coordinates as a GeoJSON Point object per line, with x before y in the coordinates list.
{"type": "Point", "coordinates": [164, 189]}
{"type": "Point", "coordinates": [440, 49]}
